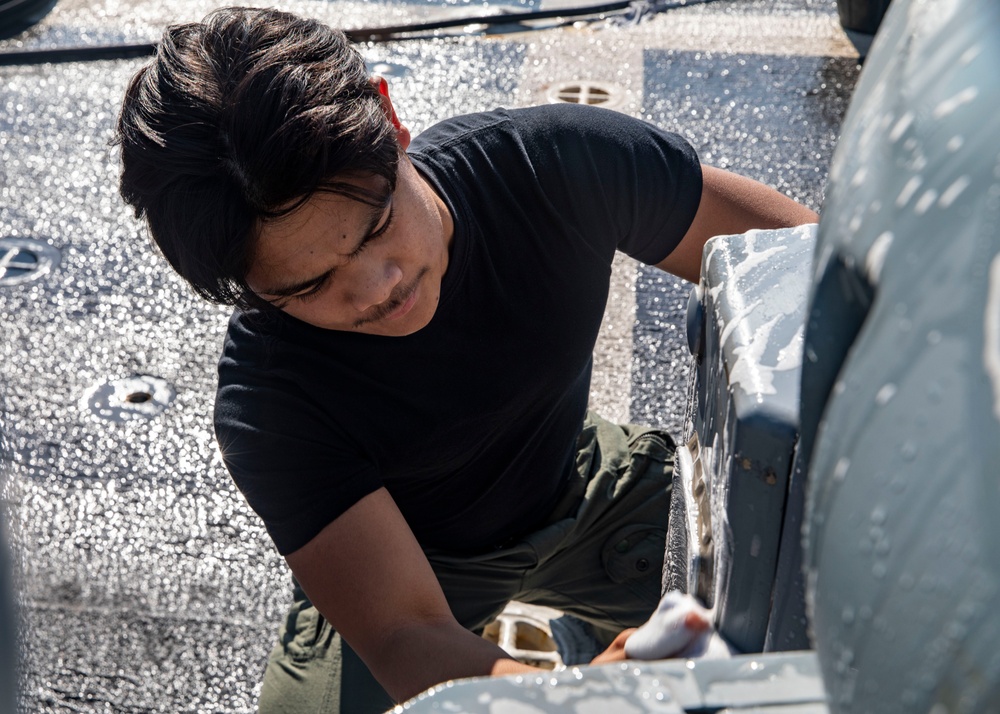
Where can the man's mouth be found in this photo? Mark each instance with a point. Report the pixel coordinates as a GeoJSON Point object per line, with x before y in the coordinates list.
{"type": "Point", "coordinates": [396, 307]}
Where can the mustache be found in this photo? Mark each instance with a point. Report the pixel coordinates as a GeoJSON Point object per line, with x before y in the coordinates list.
{"type": "Point", "coordinates": [379, 312]}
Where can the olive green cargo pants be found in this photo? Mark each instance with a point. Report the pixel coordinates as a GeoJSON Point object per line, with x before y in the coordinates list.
{"type": "Point", "coordinates": [598, 557]}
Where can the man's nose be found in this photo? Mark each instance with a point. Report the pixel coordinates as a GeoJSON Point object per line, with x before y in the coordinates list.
{"type": "Point", "coordinates": [373, 284]}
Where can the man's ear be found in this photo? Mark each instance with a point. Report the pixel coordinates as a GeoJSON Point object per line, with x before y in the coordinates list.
{"type": "Point", "coordinates": [402, 133]}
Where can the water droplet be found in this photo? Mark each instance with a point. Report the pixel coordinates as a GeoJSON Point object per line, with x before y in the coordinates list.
{"type": "Point", "coordinates": [908, 190]}
{"type": "Point", "coordinates": [847, 615]}
{"type": "Point", "coordinates": [840, 470]}
{"type": "Point", "coordinates": [901, 126]}
{"type": "Point", "coordinates": [954, 191]}
{"type": "Point", "coordinates": [952, 103]}
{"type": "Point", "coordinates": [878, 570]}
{"type": "Point", "coordinates": [878, 515]}
{"type": "Point", "coordinates": [925, 202]}
{"type": "Point", "coordinates": [885, 394]}
{"type": "Point", "coordinates": [908, 451]}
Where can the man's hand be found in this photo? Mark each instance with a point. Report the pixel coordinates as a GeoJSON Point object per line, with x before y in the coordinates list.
{"type": "Point", "coordinates": [616, 650]}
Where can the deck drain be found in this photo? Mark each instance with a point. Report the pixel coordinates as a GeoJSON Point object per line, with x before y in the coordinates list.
{"type": "Point", "coordinates": [25, 259]}
{"type": "Point", "coordinates": [139, 397]}
{"type": "Point", "coordinates": [602, 94]}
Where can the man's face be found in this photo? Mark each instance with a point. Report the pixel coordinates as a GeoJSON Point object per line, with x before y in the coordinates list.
{"type": "Point", "coordinates": [341, 264]}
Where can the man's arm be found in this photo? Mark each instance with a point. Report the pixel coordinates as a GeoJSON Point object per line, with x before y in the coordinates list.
{"type": "Point", "coordinates": [731, 204]}
{"type": "Point", "coordinates": [369, 578]}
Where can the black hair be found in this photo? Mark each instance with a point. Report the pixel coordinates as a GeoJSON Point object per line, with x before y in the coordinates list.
{"type": "Point", "coordinates": [240, 119]}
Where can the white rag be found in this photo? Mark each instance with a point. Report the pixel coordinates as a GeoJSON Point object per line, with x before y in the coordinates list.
{"type": "Point", "coordinates": [680, 627]}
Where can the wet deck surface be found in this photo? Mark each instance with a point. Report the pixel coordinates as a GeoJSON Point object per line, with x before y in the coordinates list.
{"type": "Point", "coordinates": [147, 583]}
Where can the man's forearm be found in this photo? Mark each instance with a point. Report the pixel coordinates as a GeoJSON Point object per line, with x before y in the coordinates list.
{"type": "Point", "coordinates": [418, 656]}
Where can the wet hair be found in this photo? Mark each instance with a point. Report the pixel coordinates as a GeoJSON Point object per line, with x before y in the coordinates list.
{"type": "Point", "coordinates": [238, 120]}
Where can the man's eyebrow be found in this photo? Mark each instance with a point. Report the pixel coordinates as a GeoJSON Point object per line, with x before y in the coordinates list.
{"type": "Point", "coordinates": [375, 213]}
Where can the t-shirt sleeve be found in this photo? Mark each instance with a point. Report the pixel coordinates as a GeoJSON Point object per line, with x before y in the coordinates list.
{"type": "Point", "coordinates": [287, 458]}
{"type": "Point", "coordinates": [624, 179]}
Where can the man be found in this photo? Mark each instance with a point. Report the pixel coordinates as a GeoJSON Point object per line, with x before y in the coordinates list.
{"type": "Point", "coordinates": [402, 394]}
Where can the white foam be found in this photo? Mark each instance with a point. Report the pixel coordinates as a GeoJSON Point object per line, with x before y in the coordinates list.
{"type": "Point", "coordinates": [790, 356]}
{"type": "Point", "coordinates": [754, 257]}
{"type": "Point", "coordinates": [748, 373]}
{"type": "Point", "coordinates": [736, 320]}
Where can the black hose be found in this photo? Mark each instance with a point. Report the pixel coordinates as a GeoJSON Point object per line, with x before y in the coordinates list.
{"type": "Point", "coordinates": [383, 33]}
{"type": "Point", "coordinates": [369, 34]}
{"type": "Point", "coordinates": [76, 54]}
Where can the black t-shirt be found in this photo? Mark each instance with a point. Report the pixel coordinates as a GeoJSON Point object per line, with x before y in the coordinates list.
{"type": "Point", "coordinates": [471, 422]}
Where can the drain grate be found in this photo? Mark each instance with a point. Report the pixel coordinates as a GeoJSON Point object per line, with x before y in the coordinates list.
{"type": "Point", "coordinates": [24, 259]}
{"type": "Point", "coordinates": [586, 92]}
{"type": "Point", "coordinates": [138, 397]}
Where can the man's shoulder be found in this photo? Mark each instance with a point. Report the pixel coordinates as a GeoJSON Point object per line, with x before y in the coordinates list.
{"type": "Point", "coordinates": [261, 343]}
{"type": "Point", "coordinates": [458, 127]}
{"type": "Point", "coordinates": [526, 121]}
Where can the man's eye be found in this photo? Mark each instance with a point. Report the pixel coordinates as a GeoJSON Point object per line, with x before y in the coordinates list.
{"type": "Point", "coordinates": [374, 234]}
{"type": "Point", "coordinates": [313, 291]}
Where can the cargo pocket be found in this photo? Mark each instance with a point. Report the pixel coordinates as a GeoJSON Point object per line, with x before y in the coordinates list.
{"type": "Point", "coordinates": [633, 557]}
{"type": "Point", "coordinates": [307, 632]}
